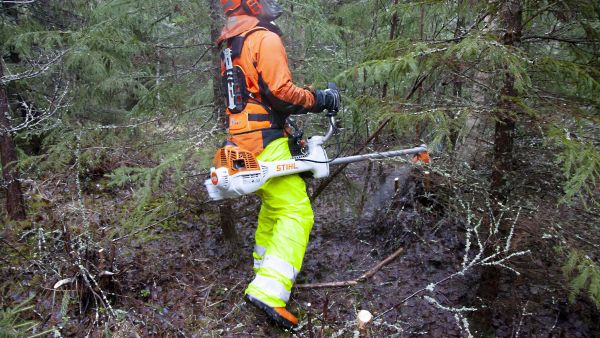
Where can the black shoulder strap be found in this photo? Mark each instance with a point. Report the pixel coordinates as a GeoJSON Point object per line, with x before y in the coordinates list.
{"type": "Point", "coordinates": [236, 43]}
{"type": "Point", "coordinates": [270, 27]}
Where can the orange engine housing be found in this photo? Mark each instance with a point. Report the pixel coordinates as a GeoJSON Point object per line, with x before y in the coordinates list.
{"type": "Point", "coordinates": [235, 159]}
{"type": "Point", "coordinates": [422, 157]}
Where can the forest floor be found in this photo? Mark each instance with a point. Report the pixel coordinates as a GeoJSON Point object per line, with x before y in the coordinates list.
{"type": "Point", "coordinates": [185, 280]}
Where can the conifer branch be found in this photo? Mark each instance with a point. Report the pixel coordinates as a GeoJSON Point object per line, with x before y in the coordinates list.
{"type": "Point", "coordinates": [37, 69]}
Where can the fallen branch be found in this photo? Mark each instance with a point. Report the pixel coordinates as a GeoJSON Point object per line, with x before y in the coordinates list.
{"type": "Point", "coordinates": [353, 282]}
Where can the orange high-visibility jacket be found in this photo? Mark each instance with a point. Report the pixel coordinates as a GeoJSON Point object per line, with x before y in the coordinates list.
{"type": "Point", "coordinates": [273, 95]}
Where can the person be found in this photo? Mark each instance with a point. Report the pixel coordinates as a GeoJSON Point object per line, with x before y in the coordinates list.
{"type": "Point", "coordinates": [259, 102]}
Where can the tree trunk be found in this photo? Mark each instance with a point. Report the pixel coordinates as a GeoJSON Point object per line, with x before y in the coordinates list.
{"type": "Point", "coordinates": [457, 81]}
{"type": "Point", "coordinates": [226, 212]}
{"type": "Point", "coordinates": [458, 32]}
{"type": "Point", "coordinates": [393, 29]}
{"type": "Point", "coordinates": [15, 205]}
{"type": "Point", "coordinates": [215, 29]}
{"type": "Point", "coordinates": [504, 131]}
{"type": "Point", "coordinates": [504, 134]}
{"type": "Point", "coordinates": [394, 24]}
{"type": "Point", "coordinates": [418, 127]}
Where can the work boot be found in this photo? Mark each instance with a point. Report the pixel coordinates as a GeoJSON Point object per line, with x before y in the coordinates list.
{"type": "Point", "coordinates": [279, 315]}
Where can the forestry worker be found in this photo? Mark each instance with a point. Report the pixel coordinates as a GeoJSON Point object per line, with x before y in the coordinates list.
{"type": "Point", "coordinates": [261, 95]}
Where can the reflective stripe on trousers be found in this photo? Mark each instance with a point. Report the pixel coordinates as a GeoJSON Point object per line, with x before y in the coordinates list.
{"type": "Point", "coordinates": [258, 254]}
{"type": "Point", "coordinates": [274, 287]}
{"type": "Point", "coordinates": [280, 266]}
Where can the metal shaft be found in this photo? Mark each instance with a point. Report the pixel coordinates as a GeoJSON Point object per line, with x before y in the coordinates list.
{"type": "Point", "coordinates": [377, 156]}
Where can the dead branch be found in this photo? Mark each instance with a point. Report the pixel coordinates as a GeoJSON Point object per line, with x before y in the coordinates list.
{"type": "Point", "coordinates": [381, 264]}
{"type": "Point", "coordinates": [353, 282]}
{"type": "Point", "coordinates": [38, 69]}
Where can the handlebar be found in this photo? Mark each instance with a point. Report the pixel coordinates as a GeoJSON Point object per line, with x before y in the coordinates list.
{"type": "Point", "coordinates": [332, 128]}
{"type": "Point", "coordinates": [331, 115]}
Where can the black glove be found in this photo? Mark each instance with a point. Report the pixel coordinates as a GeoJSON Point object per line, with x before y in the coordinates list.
{"type": "Point", "coordinates": [327, 99]}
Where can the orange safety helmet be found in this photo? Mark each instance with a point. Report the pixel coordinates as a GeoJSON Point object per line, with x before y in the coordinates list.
{"type": "Point", "coordinates": [230, 6]}
{"type": "Point", "coordinates": [267, 10]}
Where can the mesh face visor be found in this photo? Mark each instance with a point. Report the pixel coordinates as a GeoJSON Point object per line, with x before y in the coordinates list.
{"type": "Point", "coordinates": [270, 10]}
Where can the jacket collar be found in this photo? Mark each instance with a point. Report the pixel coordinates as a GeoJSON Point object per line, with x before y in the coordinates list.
{"type": "Point", "coordinates": [236, 25]}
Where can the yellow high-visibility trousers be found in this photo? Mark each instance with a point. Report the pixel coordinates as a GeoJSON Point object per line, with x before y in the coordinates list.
{"type": "Point", "coordinates": [284, 223]}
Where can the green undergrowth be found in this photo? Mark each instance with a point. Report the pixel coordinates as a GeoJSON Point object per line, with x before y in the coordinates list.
{"type": "Point", "coordinates": [13, 325]}
{"type": "Point", "coordinates": [583, 275]}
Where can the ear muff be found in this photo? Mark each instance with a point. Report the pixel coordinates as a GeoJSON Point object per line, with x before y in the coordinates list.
{"type": "Point", "coordinates": [252, 7]}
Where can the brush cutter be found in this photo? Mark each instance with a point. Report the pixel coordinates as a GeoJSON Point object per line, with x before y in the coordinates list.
{"type": "Point", "coordinates": [237, 172]}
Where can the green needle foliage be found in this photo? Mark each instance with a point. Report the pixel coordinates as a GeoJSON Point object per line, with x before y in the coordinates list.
{"type": "Point", "coordinates": [583, 275]}
{"type": "Point", "coordinates": [115, 124]}
{"type": "Point", "coordinates": [450, 62]}
{"type": "Point", "coordinates": [11, 324]}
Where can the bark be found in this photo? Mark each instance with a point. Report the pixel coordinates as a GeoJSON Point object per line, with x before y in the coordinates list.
{"type": "Point", "coordinates": [215, 29]}
{"type": "Point", "coordinates": [394, 25]}
{"type": "Point", "coordinates": [504, 131]}
{"type": "Point", "coordinates": [504, 134]}
{"type": "Point", "coordinates": [422, 23]}
{"type": "Point", "coordinates": [15, 205]}
{"type": "Point", "coordinates": [458, 32]}
{"type": "Point", "coordinates": [226, 212]}
{"type": "Point", "coordinates": [457, 81]}
{"type": "Point", "coordinates": [393, 29]}
{"type": "Point", "coordinates": [420, 91]}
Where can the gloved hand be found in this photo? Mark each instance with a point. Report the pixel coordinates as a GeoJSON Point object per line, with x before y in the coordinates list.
{"type": "Point", "coordinates": [327, 99]}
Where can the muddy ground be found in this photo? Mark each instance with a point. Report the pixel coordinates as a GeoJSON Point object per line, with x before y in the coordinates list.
{"type": "Point", "coordinates": [186, 280]}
